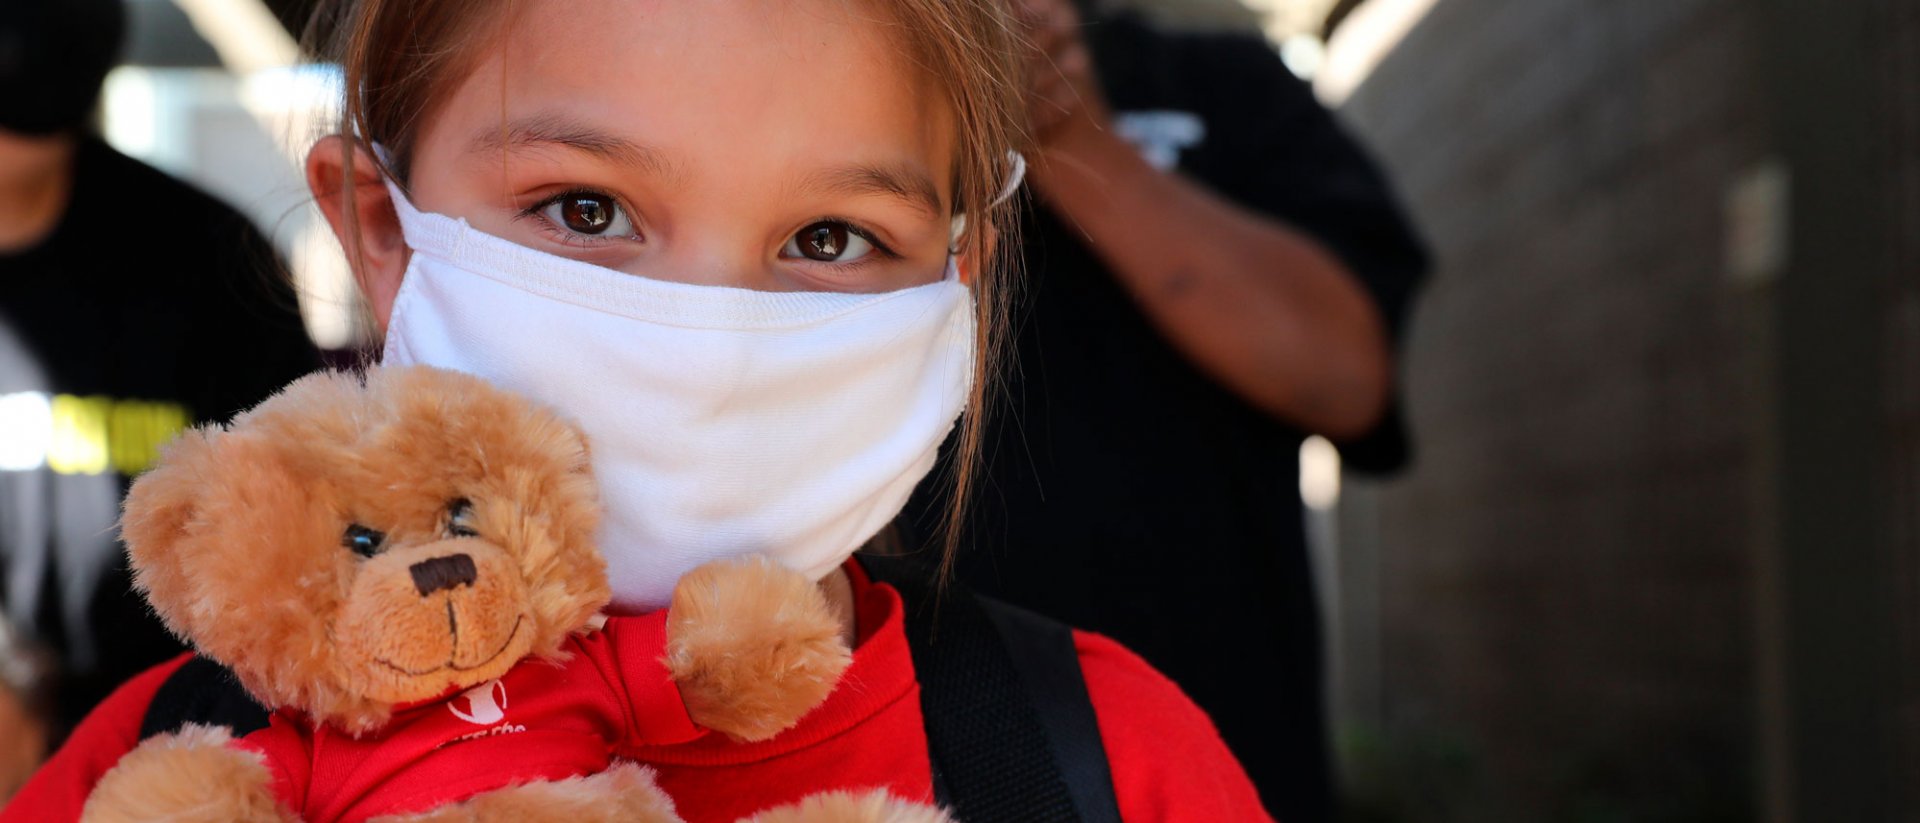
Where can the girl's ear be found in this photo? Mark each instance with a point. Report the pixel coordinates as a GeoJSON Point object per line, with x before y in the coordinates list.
{"type": "Point", "coordinates": [965, 262]}
{"type": "Point", "coordinates": [367, 218]}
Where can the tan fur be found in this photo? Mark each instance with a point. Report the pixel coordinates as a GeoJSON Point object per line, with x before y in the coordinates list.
{"type": "Point", "coordinates": [386, 627]}
{"type": "Point", "coordinates": [847, 807]}
{"type": "Point", "coordinates": [192, 776]}
{"type": "Point", "coordinates": [236, 538]}
{"type": "Point", "coordinates": [624, 793]}
{"type": "Point", "coordinates": [753, 646]}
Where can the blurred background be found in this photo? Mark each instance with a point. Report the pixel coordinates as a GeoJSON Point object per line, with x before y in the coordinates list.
{"type": "Point", "coordinates": [1657, 558]}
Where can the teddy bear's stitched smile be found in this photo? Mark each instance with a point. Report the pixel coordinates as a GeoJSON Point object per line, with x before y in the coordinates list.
{"type": "Point", "coordinates": [454, 666]}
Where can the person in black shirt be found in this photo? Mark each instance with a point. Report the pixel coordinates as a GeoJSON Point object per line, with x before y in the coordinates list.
{"type": "Point", "coordinates": [131, 306]}
{"type": "Point", "coordinates": [1215, 269]}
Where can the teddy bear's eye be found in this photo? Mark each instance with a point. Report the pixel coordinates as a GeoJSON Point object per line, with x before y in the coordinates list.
{"type": "Point", "coordinates": [362, 540]}
{"type": "Point", "coordinates": [460, 520]}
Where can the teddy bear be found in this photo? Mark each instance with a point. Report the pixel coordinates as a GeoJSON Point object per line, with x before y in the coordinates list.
{"type": "Point", "coordinates": [402, 567]}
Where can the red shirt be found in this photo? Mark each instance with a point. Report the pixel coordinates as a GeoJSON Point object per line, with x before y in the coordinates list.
{"type": "Point", "coordinates": [540, 720]}
{"type": "Point", "coordinates": [1168, 763]}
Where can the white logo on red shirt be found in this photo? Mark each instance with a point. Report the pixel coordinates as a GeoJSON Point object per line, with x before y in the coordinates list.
{"type": "Point", "coordinates": [485, 704]}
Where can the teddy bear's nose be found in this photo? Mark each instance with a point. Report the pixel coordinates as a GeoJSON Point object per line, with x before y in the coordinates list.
{"type": "Point", "coordinates": [442, 573]}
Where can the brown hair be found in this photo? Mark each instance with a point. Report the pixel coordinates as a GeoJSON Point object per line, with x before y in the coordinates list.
{"type": "Point", "coordinates": [399, 56]}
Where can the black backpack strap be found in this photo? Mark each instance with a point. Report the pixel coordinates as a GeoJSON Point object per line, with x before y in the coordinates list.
{"type": "Point", "coordinates": [202, 691]}
{"type": "Point", "coordinates": [1042, 650]}
{"type": "Point", "coordinates": [1010, 730]}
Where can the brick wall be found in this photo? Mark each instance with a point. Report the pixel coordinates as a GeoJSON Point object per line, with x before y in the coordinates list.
{"type": "Point", "coordinates": [1559, 599]}
{"type": "Point", "coordinates": [1899, 61]}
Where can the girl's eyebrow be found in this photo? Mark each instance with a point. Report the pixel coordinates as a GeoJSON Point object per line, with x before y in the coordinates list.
{"type": "Point", "coordinates": [899, 181]}
{"type": "Point", "coordinates": [548, 129]}
{"type": "Point", "coordinates": [551, 129]}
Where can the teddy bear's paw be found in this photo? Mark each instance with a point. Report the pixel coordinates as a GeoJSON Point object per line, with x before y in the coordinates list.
{"type": "Point", "coordinates": [847, 807]}
{"type": "Point", "coordinates": [753, 646]}
{"type": "Point", "coordinates": [624, 793]}
{"type": "Point", "coordinates": [192, 776]}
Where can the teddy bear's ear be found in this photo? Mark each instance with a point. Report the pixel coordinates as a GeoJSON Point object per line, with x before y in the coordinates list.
{"type": "Point", "coordinates": [160, 506]}
{"type": "Point", "coordinates": [557, 436]}
{"type": "Point", "coordinates": [584, 464]}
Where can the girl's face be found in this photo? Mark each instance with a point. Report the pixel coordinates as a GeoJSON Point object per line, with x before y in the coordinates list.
{"type": "Point", "coordinates": [779, 145]}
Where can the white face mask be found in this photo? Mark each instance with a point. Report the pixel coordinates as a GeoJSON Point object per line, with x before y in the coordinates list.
{"type": "Point", "coordinates": [721, 421]}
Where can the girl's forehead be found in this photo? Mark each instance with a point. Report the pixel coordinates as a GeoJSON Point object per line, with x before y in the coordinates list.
{"type": "Point", "coordinates": [695, 84]}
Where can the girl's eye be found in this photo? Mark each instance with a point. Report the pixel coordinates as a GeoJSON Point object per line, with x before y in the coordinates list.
{"type": "Point", "coordinates": [588, 213]}
{"type": "Point", "coordinates": [828, 241]}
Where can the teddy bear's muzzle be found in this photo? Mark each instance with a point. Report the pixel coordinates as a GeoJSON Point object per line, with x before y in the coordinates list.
{"type": "Point", "coordinates": [425, 617]}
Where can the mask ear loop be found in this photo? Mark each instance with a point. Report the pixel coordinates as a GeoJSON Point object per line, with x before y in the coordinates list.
{"type": "Point", "coordinates": [402, 200]}
{"type": "Point", "coordinates": [385, 157]}
{"type": "Point", "coordinates": [1016, 174]}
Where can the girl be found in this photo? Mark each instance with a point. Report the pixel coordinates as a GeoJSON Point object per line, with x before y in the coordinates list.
{"type": "Point", "coordinates": [750, 247]}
